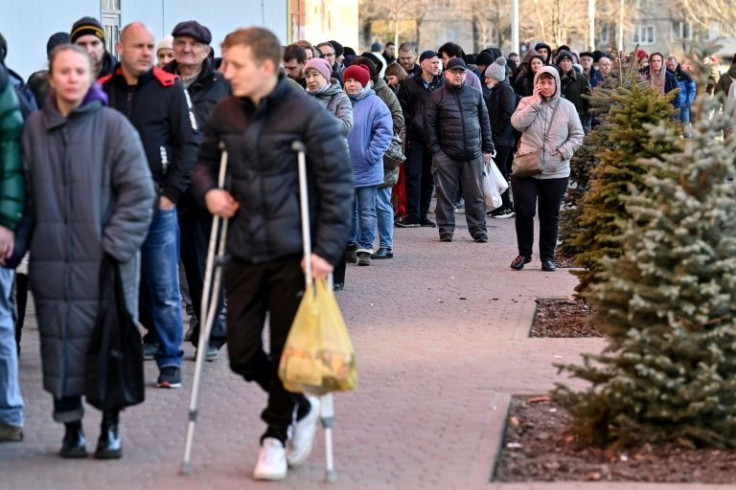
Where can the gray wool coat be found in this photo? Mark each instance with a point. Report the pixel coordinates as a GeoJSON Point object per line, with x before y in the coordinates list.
{"type": "Point", "coordinates": [89, 192]}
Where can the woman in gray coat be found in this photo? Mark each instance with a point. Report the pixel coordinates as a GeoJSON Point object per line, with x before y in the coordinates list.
{"type": "Point", "coordinates": [550, 123]}
{"type": "Point", "coordinates": [327, 90]}
{"type": "Point", "coordinates": [317, 73]}
{"type": "Point", "coordinates": [90, 194]}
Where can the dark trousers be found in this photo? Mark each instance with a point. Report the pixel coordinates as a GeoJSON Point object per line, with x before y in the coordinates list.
{"type": "Point", "coordinates": [253, 290]}
{"type": "Point", "coordinates": [448, 175]}
{"type": "Point", "coordinates": [68, 409]}
{"type": "Point", "coordinates": [338, 275]}
{"type": "Point", "coordinates": [504, 159]}
{"type": "Point", "coordinates": [20, 293]}
{"type": "Point", "coordinates": [549, 193]}
{"type": "Point", "coordinates": [194, 230]}
{"type": "Point", "coordinates": [418, 174]}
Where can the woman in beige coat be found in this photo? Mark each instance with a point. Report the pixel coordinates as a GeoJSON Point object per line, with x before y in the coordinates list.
{"type": "Point", "coordinates": [550, 122]}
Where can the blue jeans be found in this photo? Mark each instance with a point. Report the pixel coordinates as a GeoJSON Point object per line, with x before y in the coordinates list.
{"type": "Point", "coordinates": [160, 286]}
{"type": "Point", "coordinates": [385, 212]}
{"type": "Point", "coordinates": [364, 218]}
{"type": "Point", "coordinates": [11, 401]}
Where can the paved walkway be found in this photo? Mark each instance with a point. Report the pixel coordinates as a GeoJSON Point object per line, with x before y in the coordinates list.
{"type": "Point", "coordinates": [441, 337]}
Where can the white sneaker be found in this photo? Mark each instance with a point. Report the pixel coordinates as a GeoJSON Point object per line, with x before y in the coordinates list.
{"type": "Point", "coordinates": [271, 461]}
{"type": "Point", "coordinates": [300, 444]}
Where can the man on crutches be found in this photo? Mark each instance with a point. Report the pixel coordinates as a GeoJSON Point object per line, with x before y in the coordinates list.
{"type": "Point", "coordinates": [258, 125]}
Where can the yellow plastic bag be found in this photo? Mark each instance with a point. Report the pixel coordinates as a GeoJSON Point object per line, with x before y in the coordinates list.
{"type": "Point", "coordinates": [318, 356]}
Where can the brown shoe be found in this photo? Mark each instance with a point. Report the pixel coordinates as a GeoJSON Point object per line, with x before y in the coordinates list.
{"type": "Point", "coordinates": [10, 433]}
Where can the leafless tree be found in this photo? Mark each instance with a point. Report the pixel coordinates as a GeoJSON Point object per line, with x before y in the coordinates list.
{"type": "Point", "coordinates": [395, 12]}
{"type": "Point", "coordinates": [702, 13]}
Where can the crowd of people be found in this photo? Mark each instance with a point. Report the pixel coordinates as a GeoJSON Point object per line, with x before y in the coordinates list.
{"type": "Point", "coordinates": [118, 160]}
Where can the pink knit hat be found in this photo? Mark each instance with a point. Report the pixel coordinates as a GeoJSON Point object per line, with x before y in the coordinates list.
{"type": "Point", "coordinates": [321, 65]}
{"type": "Point", "coordinates": [359, 73]}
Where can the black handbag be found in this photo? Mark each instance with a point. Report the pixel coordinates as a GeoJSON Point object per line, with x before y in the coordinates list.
{"type": "Point", "coordinates": [114, 365]}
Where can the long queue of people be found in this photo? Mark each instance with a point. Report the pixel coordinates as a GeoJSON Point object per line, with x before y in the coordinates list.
{"type": "Point", "coordinates": [120, 163]}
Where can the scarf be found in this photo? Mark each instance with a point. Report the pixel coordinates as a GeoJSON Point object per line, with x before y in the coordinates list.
{"type": "Point", "coordinates": [658, 80]}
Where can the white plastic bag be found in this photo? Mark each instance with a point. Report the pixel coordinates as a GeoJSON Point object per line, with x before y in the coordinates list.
{"type": "Point", "coordinates": [493, 186]}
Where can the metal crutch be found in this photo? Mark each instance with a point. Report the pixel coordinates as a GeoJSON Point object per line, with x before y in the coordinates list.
{"type": "Point", "coordinates": [327, 413]}
{"type": "Point", "coordinates": [210, 298]}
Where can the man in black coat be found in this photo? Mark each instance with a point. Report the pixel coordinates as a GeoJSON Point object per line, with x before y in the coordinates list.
{"type": "Point", "coordinates": [155, 103]}
{"type": "Point", "coordinates": [206, 87]}
{"type": "Point", "coordinates": [413, 95]}
{"type": "Point", "coordinates": [574, 86]}
{"type": "Point", "coordinates": [501, 102]}
{"type": "Point", "coordinates": [88, 33]}
{"type": "Point", "coordinates": [408, 60]}
{"type": "Point", "coordinates": [258, 126]}
{"type": "Point", "coordinates": [460, 140]}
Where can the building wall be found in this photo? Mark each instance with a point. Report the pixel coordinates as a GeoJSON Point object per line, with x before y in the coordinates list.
{"type": "Point", "coordinates": [668, 31]}
{"type": "Point", "coordinates": [322, 20]}
{"type": "Point", "coordinates": [27, 24]}
{"type": "Point", "coordinates": [443, 24]}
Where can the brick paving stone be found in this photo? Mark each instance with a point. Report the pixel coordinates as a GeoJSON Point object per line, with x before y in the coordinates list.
{"type": "Point", "coordinates": [440, 333]}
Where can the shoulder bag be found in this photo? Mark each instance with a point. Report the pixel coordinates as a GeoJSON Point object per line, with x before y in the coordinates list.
{"type": "Point", "coordinates": [114, 363]}
{"type": "Point", "coordinates": [530, 164]}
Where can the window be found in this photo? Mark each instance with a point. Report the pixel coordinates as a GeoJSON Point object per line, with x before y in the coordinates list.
{"type": "Point", "coordinates": [683, 29]}
{"type": "Point", "coordinates": [605, 34]}
{"type": "Point", "coordinates": [110, 17]}
{"type": "Point", "coordinates": [643, 34]}
{"type": "Point", "coordinates": [644, 4]}
{"type": "Point", "coordinates": [714, 31]}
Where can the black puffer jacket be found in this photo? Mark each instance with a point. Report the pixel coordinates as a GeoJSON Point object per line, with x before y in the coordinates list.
{"type": "Point", "coordinates": [574, 86]}
{"type": "Point", "coordinates": [262, 171]}
{"type": "Point", "coordinates": [501, 103]}
{"type": "Point", "coordinates": [413, 97]}
{"type": "Point", "coordinates": [160, 110]}
{"type": "Point", "coordinates": [206, 91]}
{"type": "Point", "coordinates": [108, 65]}
{"type": "Point", "coordinates": [456, 122]}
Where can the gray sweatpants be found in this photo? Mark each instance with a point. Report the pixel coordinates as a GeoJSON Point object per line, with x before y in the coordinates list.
{"type": "Point", "coordinates": [448, 173]}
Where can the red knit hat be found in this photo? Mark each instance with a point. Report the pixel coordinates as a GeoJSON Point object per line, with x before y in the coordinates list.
{"type": "Point", "coordinates": [359, 73]}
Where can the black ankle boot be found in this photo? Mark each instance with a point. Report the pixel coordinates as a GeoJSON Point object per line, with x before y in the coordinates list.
{"type": "Point", "coordinates": [109, 445]}
{"type": "Point", "coordinates": [74, 443]}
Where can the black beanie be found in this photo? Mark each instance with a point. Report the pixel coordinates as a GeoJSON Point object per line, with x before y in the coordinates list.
{"type": "Point", "coordinates": [484, 59]}
{"type": "Point", "coordinates": [56, 40]}
{"type": "Point", "coordinates": [337, 47]}
{"type": "Point", "coordinates": [86, 26]}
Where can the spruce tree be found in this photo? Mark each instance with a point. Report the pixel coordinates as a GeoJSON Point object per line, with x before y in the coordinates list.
{"type": "Point", "coordinates": [667, 304]}
{"type": "Point", "coordinates": [586, 159]}
{"type": "Point", "coordinates": [621, 167]}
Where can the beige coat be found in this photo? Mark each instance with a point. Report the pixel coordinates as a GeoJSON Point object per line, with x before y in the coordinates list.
{"type": "Point", "coordinates": [532, 117]}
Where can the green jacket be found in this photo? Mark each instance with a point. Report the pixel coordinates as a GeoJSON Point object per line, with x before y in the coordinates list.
{"type": "Point", "coordinates": [11, 162]}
